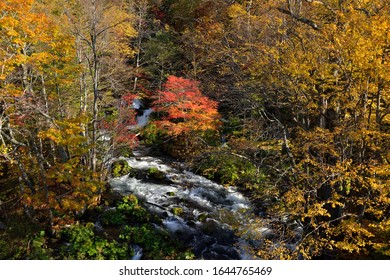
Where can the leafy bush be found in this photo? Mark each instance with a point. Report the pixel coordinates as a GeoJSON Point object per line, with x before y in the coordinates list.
{"type": "Point", "coordinates": [152, 135]}
{"type": "Point", "coordinates": [130, 207]}
{"type": "Point", "coordinates": [156, 243]}
{"type": "Point", "coordinates": [32, 247]}
{"type": "Point", "coordinates": [230, 169]}
{"type": "Point", "coordinates": [124, 151]}
{"type": "Point", "coordinates": [38, 249]}
{"type": "Point", "coordinates": [84, 245]}
{"type": "Point", "coordinates": [112, 217]}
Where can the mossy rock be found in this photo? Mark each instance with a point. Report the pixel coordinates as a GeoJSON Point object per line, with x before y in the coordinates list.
{"type": "Point", "coordinates": [130, 199]}
{"type": "Point", "coordinates": [177, 211]}
{"type": "Point", "coordinates": [154, 173]}
{"type": "Point", "coordinates": [202, 217]}
{"type": "Point", "coordinates": [120, 168]}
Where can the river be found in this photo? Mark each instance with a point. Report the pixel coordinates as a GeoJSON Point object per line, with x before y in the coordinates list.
{"type": "Point", "coordinates": [195, 210]}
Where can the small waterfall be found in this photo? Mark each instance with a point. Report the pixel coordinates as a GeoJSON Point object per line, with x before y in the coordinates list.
{"type": "Point", "coordinates": [138, 252]}
{"type": "Point", "coordinates": [144, 118]}
{"type": "Point", "coordinates": [137, 103]}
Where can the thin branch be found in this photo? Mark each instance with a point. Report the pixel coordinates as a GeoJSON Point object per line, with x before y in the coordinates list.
{"type": "Point", "coordinates": [109, 27]}
{"type": "Point", "coordinates": [309, 22]}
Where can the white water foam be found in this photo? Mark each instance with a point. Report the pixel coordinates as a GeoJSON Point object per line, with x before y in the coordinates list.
{"type": "Point", "coordinates": [199, 199]}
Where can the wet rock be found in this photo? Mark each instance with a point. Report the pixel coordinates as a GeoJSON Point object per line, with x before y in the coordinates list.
{"type": "Point", "coordinates": [218, 252]}
{"type": "Point", "coordinates": [154, 173]}
{"type": "Point", "coordinates": [191, 223]}
{"type": "Point", "coordinates": [165, 214]}
{"type": "Point", "coordinates": [170, 194]}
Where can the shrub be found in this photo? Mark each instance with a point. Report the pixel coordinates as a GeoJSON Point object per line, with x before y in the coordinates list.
{"type": "Point", "coordinates": [130, 207]}
{"type": "Point", "coordinates": [84, 245]}
{"type": "Point", "coordinates": [230, 169]}
{"type": "Point", "coordinates": [112, 217]}
{"type": "Point", "coordinates": [156, 243]}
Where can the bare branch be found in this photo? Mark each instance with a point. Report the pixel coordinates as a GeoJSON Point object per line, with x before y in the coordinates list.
{"type": "Point", "coordinates": [309, 22]}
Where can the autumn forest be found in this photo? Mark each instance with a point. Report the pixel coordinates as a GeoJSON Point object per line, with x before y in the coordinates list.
{"type": "Point", "coordinates": [281, 108]}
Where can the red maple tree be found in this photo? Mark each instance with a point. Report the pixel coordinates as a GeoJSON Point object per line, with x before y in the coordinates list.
{"type": "Point", "coordinates": [184, 109]}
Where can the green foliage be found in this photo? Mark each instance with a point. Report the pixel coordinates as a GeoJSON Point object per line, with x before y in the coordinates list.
{"type": "Point", "coordinates": [33, 246]}
{"type": "Point", "coordinates": [38, 248]}
{"type": "Point", "coordinates": [125, 151]}
{"type": "Point", "coordinates": [152, 135]}
{"type": "Point", "coordinates": [112, 217]}
{"type": "Point", "coordinates": [230, 169]}
{"type": "Point", "coordinates": [233, 126]}
{"type": "Point", "coordinates": [5, 249]}
{"type": "Point", "coordinates": [23, 239]}
{"type": "Point", "coordinates": [157, 243]}
{"type": "Point", "coordinates": [84, 245]}
{"type": "Point", "coordinates": [162, 54]}
{"type": "Point", "coordinates": [130, 207]}
{"type": "Point", "coordinates": [120, 168]}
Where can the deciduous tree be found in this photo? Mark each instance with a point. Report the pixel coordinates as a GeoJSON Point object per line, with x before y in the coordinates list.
{"type": "Point", "coordinates": [184, 111]}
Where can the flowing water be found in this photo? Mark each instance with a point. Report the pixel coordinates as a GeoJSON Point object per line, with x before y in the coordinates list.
{"type": "Point", "coordinates": [193, 208]}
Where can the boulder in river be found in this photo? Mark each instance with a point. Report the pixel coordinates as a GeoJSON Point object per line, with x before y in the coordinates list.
{"type": "Point", "coordinates": [120, 168]}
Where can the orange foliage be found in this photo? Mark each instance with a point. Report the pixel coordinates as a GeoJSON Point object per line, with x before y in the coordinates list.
{"type": "Point", "coordinates": [184, 109]}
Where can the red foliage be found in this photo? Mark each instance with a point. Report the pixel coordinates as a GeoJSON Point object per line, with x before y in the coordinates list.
{"type": "Point", "coordinates": [184, 108]}
{"type": "Point", "coordinates": [127, 99]}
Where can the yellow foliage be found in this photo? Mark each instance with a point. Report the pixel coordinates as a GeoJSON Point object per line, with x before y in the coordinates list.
{"type": "Point", "coordinates": [236, 10]}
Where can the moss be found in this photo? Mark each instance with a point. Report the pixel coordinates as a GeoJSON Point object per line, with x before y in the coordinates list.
{"type": "Point", "coordinates": [154, 173]}
{"type": "Point", "coordinates": [177, 211]}
{"type": "Point", "coordinates": [202, 217]}
{"type": "Point", "coordinates": [120, 168]}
